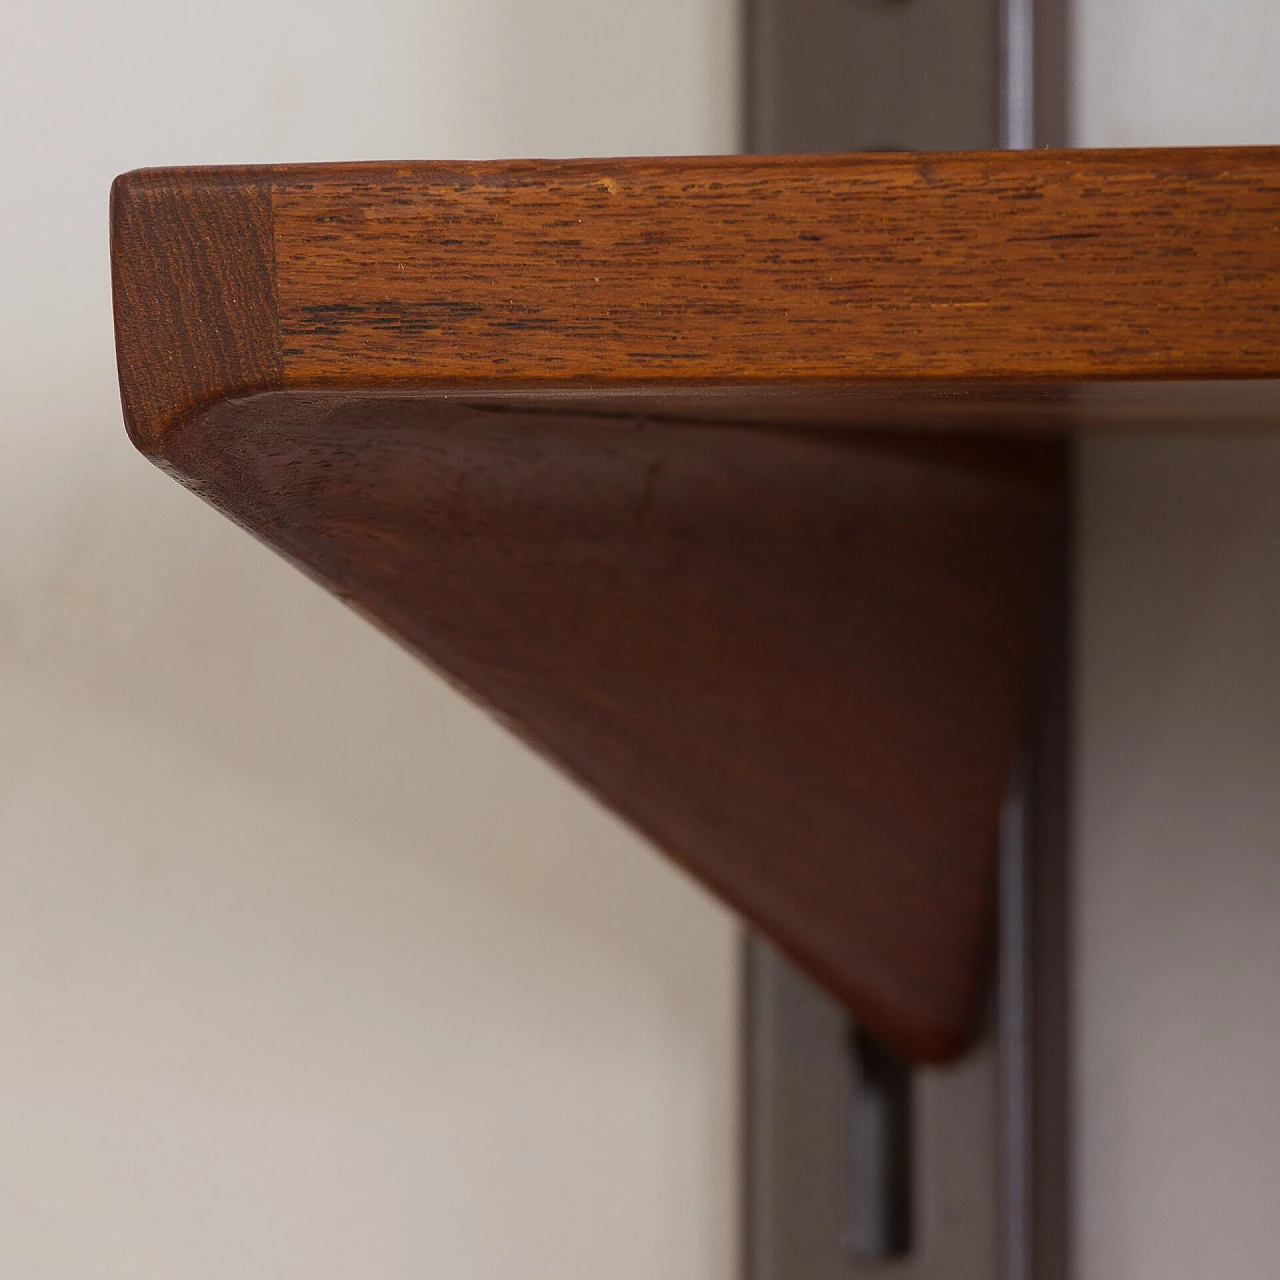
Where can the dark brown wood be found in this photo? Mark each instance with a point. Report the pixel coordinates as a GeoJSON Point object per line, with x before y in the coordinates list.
{"type": "Point", "coordinates": [797, 662]}
{"type": "Point", "coordinates": [193, 279]}
{"type": "Point", "coordinates": [590, 437]}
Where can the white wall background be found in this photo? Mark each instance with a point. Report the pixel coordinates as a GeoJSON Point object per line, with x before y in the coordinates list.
{"type": "Point", "coordinates": [306, 969]}
{"type": "Point", "coordinates": [1178, 749]}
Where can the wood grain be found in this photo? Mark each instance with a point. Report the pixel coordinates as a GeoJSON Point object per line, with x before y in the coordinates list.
{"type": "Point", "coordinates": [990, 265]}
{"type": "Point", "coordinates": [193, 282]}
{"type": "Point", "coordinates": [983, 279]}
{"type": "Point", "coordinates": [799, 664]}
{"type": "Point", "coordinates": [632, 451]}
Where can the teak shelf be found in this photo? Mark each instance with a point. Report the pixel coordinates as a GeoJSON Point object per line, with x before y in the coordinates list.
{"type": "Point", "coordinates": [727, 483]}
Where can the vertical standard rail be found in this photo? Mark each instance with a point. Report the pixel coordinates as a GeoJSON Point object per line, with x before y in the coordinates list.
{"type": "Point", "coordinates": [1018, 57]}
{"type": "Point", "coordinates": [1014, 1034]}
{"type": "Point", "coordinates": [825, 1200]}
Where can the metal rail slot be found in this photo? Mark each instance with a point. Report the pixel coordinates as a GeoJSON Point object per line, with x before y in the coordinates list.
{"type": "Point", "coordinates": [881, 1143]}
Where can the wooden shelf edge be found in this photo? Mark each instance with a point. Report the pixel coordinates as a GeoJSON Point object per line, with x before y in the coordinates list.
{"type": "Point", "coordinates": [1000, 277]}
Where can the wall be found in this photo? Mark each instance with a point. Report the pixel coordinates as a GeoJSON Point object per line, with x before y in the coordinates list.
{"type": "Point", "coordinates": [1178, 746]}
{"type": "Point", "coordinates": [306, 969]}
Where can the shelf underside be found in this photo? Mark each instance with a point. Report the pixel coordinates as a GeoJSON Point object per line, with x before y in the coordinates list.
{"type": "Point", "coordinates": [797, 660]}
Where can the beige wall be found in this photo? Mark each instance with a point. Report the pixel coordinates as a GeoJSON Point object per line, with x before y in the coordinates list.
{"type": "Point", "coordinates": [1178, 749]}
{"type": "Point", "coordinates": [306, 970]}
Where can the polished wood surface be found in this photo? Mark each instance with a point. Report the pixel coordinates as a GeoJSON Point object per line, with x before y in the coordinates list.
{"type": "Point", "coordinates": [775, 268]}
{"type": "Point", "coordinates": [798, 663]}
{"type": "Point", "coordinates": [193, 284]}
{"type": "Point", "coordinates": [726, 483]}
{"type": "Point", "coordinates": [987, 270]}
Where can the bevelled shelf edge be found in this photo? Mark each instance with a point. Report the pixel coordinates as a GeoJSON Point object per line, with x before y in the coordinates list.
{"type": "Point", "coordinates": [1002, 273]}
